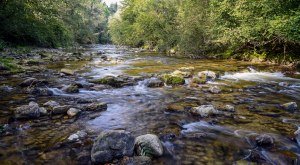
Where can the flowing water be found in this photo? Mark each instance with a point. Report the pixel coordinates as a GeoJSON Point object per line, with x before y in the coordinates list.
{"type": "Point", "coordinates": [187, 139]}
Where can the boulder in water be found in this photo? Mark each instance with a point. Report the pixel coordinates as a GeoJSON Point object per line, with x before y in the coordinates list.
{"type": "Point", "coordinates": [57, 110]}
{"type": "Point", "coordinates": [207, 75]}
{"type": "Point", "coordinates": [182, 74]}
{"type": "Point", "coordinates": [40, 91]}
{"type": "Point", "coordinates": [148, 145]}
{"type": "Point", "coordinates": [67, 71]}
{"type": "Point", "coordinates": [76, 136]}
{"type": "Point", "coordinates": [110, 145]}
{"type": "Point", "coordinates": [95, 107]}
{"type": "Point", "coordinates": [204, 110]}
{"type": "Point", "coordinates": [154, 83]}
{"type": "Point", "coordinates": [110, 80]}
{"type": "Point", "coordinates": [291, 106]}
{"type": "Point", "coordinates": [196, 80]}
{"type": "Point", "coordinates": [71, 89]}
{"type": "Point", "coordinates": [173, 80]}
{"type": "Point", "coordinates": [264, 140]}
{"type": "Point", "coordinates": [30, 111]}
{"type": "Point", "coordinates": [51, 104]}
{"type": "Point", "coordinates": [73, 112]}
{"type": "Point", "coordinates": [29, 82]}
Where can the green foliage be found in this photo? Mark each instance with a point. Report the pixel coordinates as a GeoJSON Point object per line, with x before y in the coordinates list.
{"type": "Point", "coordinates": [52, 23]}
{"type": "Point", "coordinates": [203, 27]}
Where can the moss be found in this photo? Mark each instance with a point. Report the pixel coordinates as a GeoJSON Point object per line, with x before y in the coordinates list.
{"type": "Point", "coordinates": [10, 65]}
{"type": "Point", "coordinates": [173, 80]}
{"type": "Point", "coordinates": [109, 80]}
{"type": "Point", "coordinates": [201, 80]}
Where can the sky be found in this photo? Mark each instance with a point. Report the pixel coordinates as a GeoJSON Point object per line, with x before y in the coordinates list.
{"type": "Point", "coordinates": [111, 1]}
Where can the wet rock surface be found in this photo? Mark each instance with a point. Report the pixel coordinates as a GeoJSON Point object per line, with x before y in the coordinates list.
{"type": "Point", "coordinates": [148, 145]}
{"type": "Point", "coordinates": [110, 145]}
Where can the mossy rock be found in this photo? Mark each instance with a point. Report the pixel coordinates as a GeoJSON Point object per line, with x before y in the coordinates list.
{"type": "Point", "coordinates": [201, 80]}
{"type": "Point", "coordinates": [173, 80]}
{"type": "Point", "coordinates": [109, 80]}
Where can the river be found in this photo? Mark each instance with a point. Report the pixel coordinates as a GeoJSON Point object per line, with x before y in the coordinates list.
{"type": "Point", "coordinates": [256, 95]}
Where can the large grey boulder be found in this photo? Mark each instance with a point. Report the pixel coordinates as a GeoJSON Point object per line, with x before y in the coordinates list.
{"type": "Point", "coordinates": [204, 110]}
{"type": "Point", "coordinates": [111, 145]}
{"type": "Point", "coordinates": [30, 111]}
{"type": "Point", "coordinates": [148, 145]}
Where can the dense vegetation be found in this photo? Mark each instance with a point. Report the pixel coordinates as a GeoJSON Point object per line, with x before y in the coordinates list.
{"type": "Point", "coordinates": [53, 23]}
{"type": "Point", "coordinates": [259, 28]}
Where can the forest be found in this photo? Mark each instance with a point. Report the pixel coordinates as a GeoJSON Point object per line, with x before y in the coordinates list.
{"type": "Point", "coordinates": [226, 28]}
{"type": "Point", "coordinates": [54, 23]}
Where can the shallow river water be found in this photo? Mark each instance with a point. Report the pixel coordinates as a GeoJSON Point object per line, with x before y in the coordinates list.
{"type": "Point", "coordinates": [222, 139]}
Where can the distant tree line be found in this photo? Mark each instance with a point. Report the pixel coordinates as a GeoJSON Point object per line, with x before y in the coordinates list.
{"type": "Point", "coordinates": [54, 23]}
{"type": "Point", "coordinates": [259, 28]}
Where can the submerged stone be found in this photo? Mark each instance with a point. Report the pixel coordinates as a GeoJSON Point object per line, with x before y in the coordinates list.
{"type": "Point", "coordinates": [264, 140]}
{"type": "Point", "coordinates": [73, 88]}
{"type": "Point", "coordinates": [204, 110]}
{"type": "Point", "coordinates": [214, 90]}
{"type": "Point", "coordinates": [110, 80]}
{"type": "Point", "coordinates": [110, 145]}
{"type": "Point", "coordinates": [154, 83]}
{"type": "Point", "coordinates": [77, 136]}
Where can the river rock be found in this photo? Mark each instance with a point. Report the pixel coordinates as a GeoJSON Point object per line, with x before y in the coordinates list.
{"type": "Point", "coordinates": [148, 145]}
{"type": "Point", "coordinates": [214, 90]}
{"type": "Point", "coordinates": [51, 104]}
{"type": "Point", "coordinates": [116, 82]}
{"type": "Point", "coordinates": [154, 83]}
{"type": "Point", "coordinates": [208, 75]}
{"type": "Point", "coordinates": [73, 112]}
{"type": "Point", "coordinates": [111, 145]}
{"type": "Point", "coordinates": [204, 110]}
{"type": "Point", "coordinates": [30, 111]}
{"type": "Point", "coordinates": [71, 88]}
{"type": "Point", "coordinates": [77, 136]}
{"type": "Point", "coordinates": [95, 107]}
{"type": "Point", "coordinates": [60, 109]}
{"type": "Point", "coordinates": [29, 82]}
{"type": "Point", "coordinates": [173, 80]}
{"type": "Point", "coordinates": [67, 71]}
{"type": "Point", "coordinates": [196, 80]}
{"type": "Point", "coordinates": [40, 91]}
{"type": "Point", "coordinates": [179, 73]}
{"type": "Point", "coordinates": [264, 140]}
{"type": "Point", "coordinates": [291, 106]}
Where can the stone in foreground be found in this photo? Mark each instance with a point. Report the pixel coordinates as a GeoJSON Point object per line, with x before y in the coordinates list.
{"type": "Point", "coordinates": [148, 145]}
{"type": "Point", "coordinates": [30, 111]}
{"type": "Point", "coordinates": [111, 145]}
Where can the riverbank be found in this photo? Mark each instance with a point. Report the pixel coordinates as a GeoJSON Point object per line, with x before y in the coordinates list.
{"type": "Point", "coordinates": [56, 110]}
